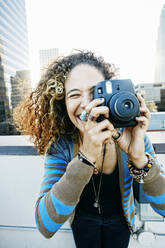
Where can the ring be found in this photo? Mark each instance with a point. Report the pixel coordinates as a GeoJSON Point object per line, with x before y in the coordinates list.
{"type": "Point", "coordinates": [116, 136]}
{"type": "Point", "coordinates": [84, 116]}
{"type": "Point", "coordinates": [92, 118]}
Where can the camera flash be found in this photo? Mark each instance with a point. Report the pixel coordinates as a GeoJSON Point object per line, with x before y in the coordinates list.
{"type": "Point", "coordinates": [108, 87]}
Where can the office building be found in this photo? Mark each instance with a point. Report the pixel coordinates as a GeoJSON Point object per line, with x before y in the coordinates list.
{"type": "Point", "coordinates": [47, 56]}
{"type": "Point", "coordinates": [154, 95]}
{"type": "Point", "coordinates": [4, 102]}
{"type": "Point", "coordinates": [13, 44]}
{"type": "Point", "coordinates": [160, 52]}
{"type": "Point", "coordinates": [20, 86]}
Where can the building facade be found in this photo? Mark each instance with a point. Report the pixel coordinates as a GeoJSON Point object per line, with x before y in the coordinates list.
{"type": "Point", "coordinates": [13, 44]}
{"type": "Point", "coordinates": [160, 53]}
{"type": "Point", "coordinates": [47, 56]}
{"type": "Point", "coordinates": [20, 86]}
{"type": "Point", "coordinates": [154, 95]}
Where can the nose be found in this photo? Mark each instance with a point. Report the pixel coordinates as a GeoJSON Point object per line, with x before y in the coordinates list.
{"type": "Point", "coordinates": [85, 100]}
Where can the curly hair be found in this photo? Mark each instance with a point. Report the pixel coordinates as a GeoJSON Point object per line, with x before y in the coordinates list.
{"type": "Point", "coordinates": [43, 114]}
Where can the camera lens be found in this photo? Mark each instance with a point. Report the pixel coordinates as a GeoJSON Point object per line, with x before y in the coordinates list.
{"type": "Point", "coordinates": [128, 105]}
{"type": "Point", "coordinates": [124, 107]}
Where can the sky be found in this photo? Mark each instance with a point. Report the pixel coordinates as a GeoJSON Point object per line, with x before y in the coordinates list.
{"type": "Point", "coordinates": [124, 32]}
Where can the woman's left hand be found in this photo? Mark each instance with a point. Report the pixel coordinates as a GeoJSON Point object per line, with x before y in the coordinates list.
{"type": "Point", "coordinates": [132, 138]}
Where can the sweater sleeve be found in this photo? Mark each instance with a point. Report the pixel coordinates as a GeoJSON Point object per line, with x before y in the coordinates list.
{"type": "Point", "coordinates": [154, 183]}
{"type": "Point", "coordinates": [61, 188]}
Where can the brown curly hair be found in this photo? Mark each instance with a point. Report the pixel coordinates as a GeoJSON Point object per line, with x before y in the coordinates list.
{"type": "Point", "coordinates": [43, 114]}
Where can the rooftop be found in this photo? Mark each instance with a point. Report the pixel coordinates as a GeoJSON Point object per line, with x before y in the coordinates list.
{"type": "Point", "coordinates": [21, 171]}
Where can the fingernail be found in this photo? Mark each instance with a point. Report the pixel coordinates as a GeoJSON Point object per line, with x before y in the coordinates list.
{"type": "Point", "coordinates": [101, 99]}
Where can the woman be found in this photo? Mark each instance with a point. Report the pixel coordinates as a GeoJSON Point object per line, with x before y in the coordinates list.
{"type": "Point", "coordinates": [89, 165]}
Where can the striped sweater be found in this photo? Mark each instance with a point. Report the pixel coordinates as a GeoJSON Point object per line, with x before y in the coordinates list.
{"type": "Point", "coordinates": [65, 178]}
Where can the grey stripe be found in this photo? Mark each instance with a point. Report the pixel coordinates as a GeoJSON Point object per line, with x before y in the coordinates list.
{"type": "Point", "coordinates": [55, 168]}
{"type": "Point", "coordinates": [41, 226]}
{"type": "Point", "coordinates": [52, 211]}
{"type": "Point", "coordinates": [158, 206]}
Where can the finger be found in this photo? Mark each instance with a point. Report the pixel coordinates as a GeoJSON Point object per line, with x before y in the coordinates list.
{"type": "Point", "coordinates": [94, 103]}
{"type": "Point", "coordinates": [145, 111]}
{"type": "Point", "coordinates": [141, 100]}
{"type": "Point", "coordinates": [142, 120]}
{"type": "Point", "coordinates": [102, 110]}
{"type": "Point", "coordinates": [116, 135]}
{"type": "Point", "coordinates": [102, 126]}
{"type": "Point", "coordinates": [104, 137]}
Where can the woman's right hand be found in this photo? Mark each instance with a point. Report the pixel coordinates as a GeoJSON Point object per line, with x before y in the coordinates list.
{"type": "Point", "coordinates": [96, 134]}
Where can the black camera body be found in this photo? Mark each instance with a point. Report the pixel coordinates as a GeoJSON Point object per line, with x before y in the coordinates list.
{"type": "Point", "coordinates": [119, 96]}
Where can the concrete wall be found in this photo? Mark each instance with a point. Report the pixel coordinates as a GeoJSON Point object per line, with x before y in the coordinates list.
{"type": "Point", "coordinates": [20, 179]}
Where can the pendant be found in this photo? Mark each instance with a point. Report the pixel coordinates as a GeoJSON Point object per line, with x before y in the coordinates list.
{"type": "Point", "coordinates": [96, 205]}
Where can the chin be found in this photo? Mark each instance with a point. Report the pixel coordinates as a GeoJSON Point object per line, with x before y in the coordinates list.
{"type": "Point", "coordinates": [79, 124]}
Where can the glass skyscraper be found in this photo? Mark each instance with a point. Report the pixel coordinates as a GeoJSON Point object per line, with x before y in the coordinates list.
{"type": "Point", "coordinates": [14, 54]}
{"type": "Point", "coordinates": [160, 66]}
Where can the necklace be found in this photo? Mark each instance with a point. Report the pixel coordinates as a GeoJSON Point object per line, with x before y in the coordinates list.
{"type": "Point", "coordinates": [97, 203]}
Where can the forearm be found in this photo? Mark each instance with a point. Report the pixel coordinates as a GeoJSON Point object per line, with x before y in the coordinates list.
{"type": "Point", "coordinates": [154, 189]}
{"type": "Point", "coordinates": [55, 207]}
{"type": "Point", "coordinates": [71, 185]}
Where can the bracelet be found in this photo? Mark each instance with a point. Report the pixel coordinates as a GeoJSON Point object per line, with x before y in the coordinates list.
{"type": "Point", "coordinates": [85, 160]}
{"type": "Point", "coordinates": [140, 174]}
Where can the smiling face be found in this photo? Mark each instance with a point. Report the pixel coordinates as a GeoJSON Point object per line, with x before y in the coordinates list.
{"type": "Point", "coordinates": [78, 91]}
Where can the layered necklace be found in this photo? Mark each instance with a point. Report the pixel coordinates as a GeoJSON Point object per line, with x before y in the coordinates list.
{"type": "Point", "coordinates": [97, 194]}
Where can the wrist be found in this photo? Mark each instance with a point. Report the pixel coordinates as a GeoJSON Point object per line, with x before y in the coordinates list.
{"type": "Point", "coordinates": [140, 173]}
{"type": "Point", "coordinates": [85, 160]}
{"type": "Point", "coordinates": [139, 162]}
{"type": "Point", "coordinates": [87, 156]}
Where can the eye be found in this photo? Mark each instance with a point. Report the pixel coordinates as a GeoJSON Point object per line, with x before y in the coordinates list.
{"type": "Point", "coordinates": [76, 95]}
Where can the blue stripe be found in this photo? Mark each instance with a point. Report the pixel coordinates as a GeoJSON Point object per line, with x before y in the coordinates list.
{"type": "Point", "coordinates": [160, 199]}
{"type": "Point", "coordinates": [47, 186]}
{"type": "Point", "coordinates": [125, 203]}
{"type": "Point", "coordinates": [53, 172]}
{"type": "Point", "coordinates": [126, 198]}
{"type": "Point", "coordinates": [150, 151]}
{"type": "Point", "coordinates": [49, 224]}
{"type": "Point", "coordinates": [127, 178]}
{"type": "Point", "coordinates": [131, 208]}
{"type": "Point", "coordinates": [126, 211]}
{"type": "Point", "coordinates": [125, 208]}
{"type": "Point", "coordinates": [127, 191]}
{"type": "Point", "coordinates": [162, 212]}
{"type": "Point", "coordinates": [128, 184]}
{"type": "Point", "coordinates": [50, 179]}
{"type": "Point", "coordinates": [58, 161]}
{"type": "Point", "coordinates": [133, 221]}
{"type": "Point", "coordinates": [60, 207]}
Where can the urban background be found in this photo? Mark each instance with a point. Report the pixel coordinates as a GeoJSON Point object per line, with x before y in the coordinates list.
{"type": "Point", "coordinates": [21, 167]}
{"type": "Point", "coordinates": [15, 79]}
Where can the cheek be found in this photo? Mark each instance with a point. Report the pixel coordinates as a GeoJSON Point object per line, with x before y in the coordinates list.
{"type": "Point", "coordinates": [71, 107]}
